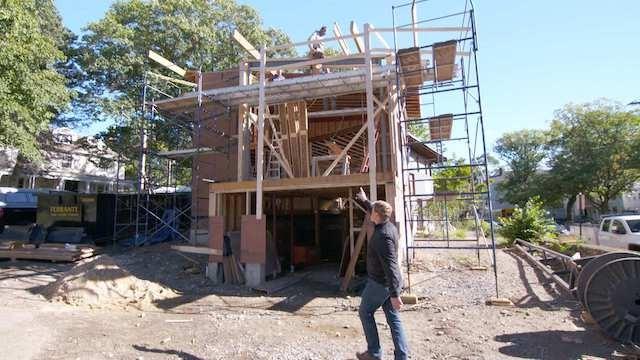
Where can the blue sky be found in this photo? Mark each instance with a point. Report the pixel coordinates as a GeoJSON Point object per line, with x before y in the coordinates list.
{"type": "Point", "coordinates": [534, 56]}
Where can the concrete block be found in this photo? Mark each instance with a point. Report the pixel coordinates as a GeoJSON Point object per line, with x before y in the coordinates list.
{"type": "Point", "coordinates": [212, 272]}
{"type": "Point", "coordinates": [254, 274]}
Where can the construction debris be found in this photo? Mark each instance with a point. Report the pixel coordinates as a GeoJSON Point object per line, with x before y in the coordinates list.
{"type": "Point", "coordinates": [101, 282]}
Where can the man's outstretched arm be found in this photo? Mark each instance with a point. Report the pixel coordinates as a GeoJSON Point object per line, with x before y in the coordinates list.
{"type": "Point", "coordinates": [361, 198]}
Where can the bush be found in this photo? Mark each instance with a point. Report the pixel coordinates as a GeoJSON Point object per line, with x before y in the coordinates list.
{"type": "Point", "coordinates": [529, 223]}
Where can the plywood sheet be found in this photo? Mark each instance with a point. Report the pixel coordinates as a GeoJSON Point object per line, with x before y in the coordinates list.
{"type": "Point", "coordinates": [411, 65]}
{"type": "Point", "coordinates": [440, 127]}
{"type": "Point", "coordinates": [216, 236]}
{"type": "Point", "coordinates": [253, 240]}
{"type": "Point", "coordinates": [444, 57]}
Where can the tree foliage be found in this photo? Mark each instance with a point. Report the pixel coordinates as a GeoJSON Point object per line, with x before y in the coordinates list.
{"type": "Point", "coordinates": [194, 34]}
{"type": "Point", "coordinates": [523, 152]}
{"type": "Point", "coordinates": [33, 87]}
{"type": "Point", "coordinates": [530, 222]}
{"type": "Point", "coordinates": [591, 148]}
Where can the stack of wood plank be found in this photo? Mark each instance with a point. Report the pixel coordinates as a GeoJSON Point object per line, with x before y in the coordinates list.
{"type": "Point", "coordinates": [294, 126]}
{"type": "Point", "coordinates": [53, 252]}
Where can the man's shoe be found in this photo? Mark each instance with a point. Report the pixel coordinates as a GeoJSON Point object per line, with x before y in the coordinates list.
{"type": "Point", "coordinates": [366, 356]}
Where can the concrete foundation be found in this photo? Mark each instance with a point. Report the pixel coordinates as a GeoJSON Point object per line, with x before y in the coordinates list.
{"type": "Point", "coordinates": [212, 272]}
{"type": "Point", "coordinates": [254, 274]}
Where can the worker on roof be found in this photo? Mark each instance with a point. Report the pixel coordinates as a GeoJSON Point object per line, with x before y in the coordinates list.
{"type": "Point", "coordinates": [316, 43]}
{"type": "Point", "coordinates": [316, 48]}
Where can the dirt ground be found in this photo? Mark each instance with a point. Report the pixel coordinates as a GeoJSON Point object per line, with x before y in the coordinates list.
{"type": "Point", "coordinates": [310, 320]}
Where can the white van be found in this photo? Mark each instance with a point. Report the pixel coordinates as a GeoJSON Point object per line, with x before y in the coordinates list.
{"type": "Point", "coordinates": [621, 232]}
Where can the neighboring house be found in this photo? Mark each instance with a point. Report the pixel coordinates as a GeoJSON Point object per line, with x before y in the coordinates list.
{"type": "Point", "coordinates": [69, 162]}
{"type": "Point", "coordinates": [627, 202]}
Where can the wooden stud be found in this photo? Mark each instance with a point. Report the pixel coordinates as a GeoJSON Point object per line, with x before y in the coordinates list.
{"type": "Point", "coordinates": [243, 156]}
{"type": "Point", "coordinates": [351, 237]}
{"type": "Point", "coordinates": [242, 41]}
{"type": "Point", "coordinates": [346, 148]}
{"type": "Point", "coordinates": [341, 42]}
{"type": "Point", "coordinates": [260, 146]}
{"type": "Point", "coordinates": [356, 253]}
{"type": "Point", "coordinates": [371, 130]}
{"type": "Point", "coordinates": [356, 37]}
{"type": "Point", "coordinates": [166, 63]}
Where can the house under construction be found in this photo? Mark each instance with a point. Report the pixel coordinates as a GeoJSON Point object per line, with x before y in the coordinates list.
{"type": "Point", "coordinates": [281, 145]}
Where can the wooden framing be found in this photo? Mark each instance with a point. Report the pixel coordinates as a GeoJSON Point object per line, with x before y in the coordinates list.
{"type": "Point", "coordinates": [371, 147]}
{"type": "Point", "coordinates": [243, 109]}
{"type": "Point", "coordinates": [356, 36]}
{"type": "Point", "coordinates": [260, 147]}
{"type": "Point", "coordinates": [242, 41]}
{"type": "Point", "coordinates": [321, 182]}
{"type": "Point", "coordinates": [343, 44]}
{"type": "Point", "coordinates": [166, 63]}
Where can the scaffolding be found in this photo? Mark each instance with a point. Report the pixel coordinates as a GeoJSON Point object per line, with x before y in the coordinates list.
{"type": "Point", "coordinates": [443, 71]}
{"type": "Point", "coordinates": [161, 207]}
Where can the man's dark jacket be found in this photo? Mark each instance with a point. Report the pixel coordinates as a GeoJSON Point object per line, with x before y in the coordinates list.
{"type": "Point", "coordinates": [382, 254]}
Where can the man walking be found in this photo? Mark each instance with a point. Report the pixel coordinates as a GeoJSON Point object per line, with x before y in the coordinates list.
{"type": "Point", "coordinates": [384, 284]}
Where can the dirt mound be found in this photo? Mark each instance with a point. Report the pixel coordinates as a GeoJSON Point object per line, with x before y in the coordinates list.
{"type": "Point", "coordinates": [100, 282]}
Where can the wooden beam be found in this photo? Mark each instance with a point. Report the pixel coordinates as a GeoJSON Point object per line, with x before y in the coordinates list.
{"type": "Point", "coordinates": [302, 64]}
{"type": "Point", "coordinates": [351, 237]}
{"type": "Point", "coordinates": [318, 182]}
{"type": "Point", "coordinates": [292, 45]}
{"type": "Point", "coordinates": [243, 109]}
{"type": "Point", "coordinates": [333, 113]}
{"type": "Point", "coordinates": [166, 63]}
{"type": "Point", "coordinates": [371, 126]}
{"type": "Point", "coordinates": [379, 36]}
{"type": "Point", "coordinates": [242, 41]}
{"type": "Point", "coordinates": [260, 128]}
{"type": "Point", "coordinates": [168, 78]}
{"type": "Point", "coordinates": [196, 250]}
{"type": "Point", "coordinates": [338, 34]}
{"type": "Point", "coordinates": [346, 148]}
{"type": "Point", "coordinates": [355, 254]}
{"type": "Point", "coordinates": [356, 36]}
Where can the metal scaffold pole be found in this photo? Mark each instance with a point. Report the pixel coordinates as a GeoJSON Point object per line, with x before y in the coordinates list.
{"type": "Point", "coordinates": [452, 187]}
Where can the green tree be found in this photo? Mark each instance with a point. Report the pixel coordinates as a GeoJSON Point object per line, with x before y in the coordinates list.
{"type": "Point", "coordinates": [33, 89]}
{"type": "Point", "coordinates": [194, 34]}
{"type": "Point", "coordinates": [523, 152]}
{"type": "Point", "coordinates": [529, 223]}
{"type": "Point", "coordinates": [595, 149]}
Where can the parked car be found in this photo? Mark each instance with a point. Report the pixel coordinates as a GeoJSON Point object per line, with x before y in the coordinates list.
{"type": "Point", "coordinates": [620, 232]}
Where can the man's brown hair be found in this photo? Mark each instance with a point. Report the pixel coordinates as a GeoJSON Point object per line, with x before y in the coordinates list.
{"type": "Point", "coordinates": [383, 208]}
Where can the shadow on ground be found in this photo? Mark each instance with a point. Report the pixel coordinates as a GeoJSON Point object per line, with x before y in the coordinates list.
{"type": "Point", "coordinates": [554, 344]}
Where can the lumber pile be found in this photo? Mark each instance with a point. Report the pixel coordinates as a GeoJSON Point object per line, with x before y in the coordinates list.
{"type": "Point", "coordinates": [294, 126]}
{"type": "Point", "coordinates": [15, 250]}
